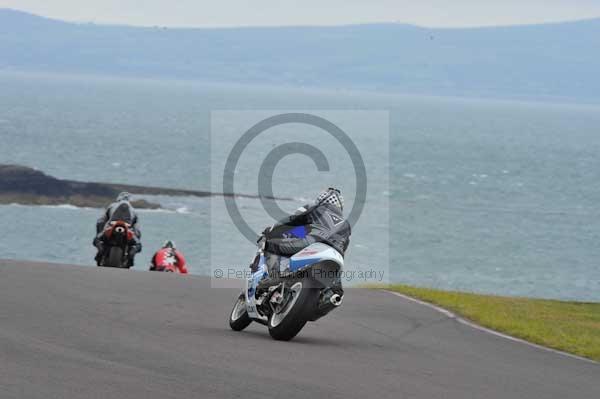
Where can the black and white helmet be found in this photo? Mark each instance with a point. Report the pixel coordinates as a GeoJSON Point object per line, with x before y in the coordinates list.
{"type": "Point", "coordinates": [331, 196]}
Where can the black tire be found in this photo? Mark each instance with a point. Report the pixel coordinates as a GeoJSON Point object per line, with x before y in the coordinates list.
{"type": "Point", "coordinates": [287, 324]}
{"type": "Point", "coordinates": [115, 257]}
{"type": "Point", "coordinates": [238, 319]}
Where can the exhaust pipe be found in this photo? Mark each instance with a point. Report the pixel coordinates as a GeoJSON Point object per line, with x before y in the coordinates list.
{"type": "Point", "coordinates": [327, 303]}
{"type": "Point", "coordinates": [336, 300]}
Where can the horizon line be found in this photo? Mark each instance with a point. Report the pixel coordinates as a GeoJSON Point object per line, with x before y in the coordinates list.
{"type": "Point", "coordinates": [341, 25]}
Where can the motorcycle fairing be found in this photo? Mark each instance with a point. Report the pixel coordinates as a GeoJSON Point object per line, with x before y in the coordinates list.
{"type": "Point", "coordinates": [315, 253]}
{"type": "Point", "coordinates": [253, 281]}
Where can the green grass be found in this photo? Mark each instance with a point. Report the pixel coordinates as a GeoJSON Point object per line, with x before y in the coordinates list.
{"type": "Point", "coordinates": [572, 327]}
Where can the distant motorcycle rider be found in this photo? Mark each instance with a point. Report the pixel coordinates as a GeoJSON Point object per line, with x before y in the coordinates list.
{"type": "Point", "coordinates": [122, 210]}
{"type": "Point", "coordinates": [169, 259]}
{"type": "Point", "coordinates": [323, 221]}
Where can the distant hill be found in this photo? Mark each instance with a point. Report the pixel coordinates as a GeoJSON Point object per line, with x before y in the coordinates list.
{"type": "Point", "coordinates": [539, 61]}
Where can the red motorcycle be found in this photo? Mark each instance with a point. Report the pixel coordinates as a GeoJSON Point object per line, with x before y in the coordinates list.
{"type": "Point", "coordinates": [168, 260]}
{"type": "Point", "coordinates": [166, 264]}
{"type": "Point", "coordinates": [116, 239]}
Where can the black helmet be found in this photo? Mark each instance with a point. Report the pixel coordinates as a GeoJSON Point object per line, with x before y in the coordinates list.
{"type": "Point", "coordinates": [331, 196]}
{"type": "Point", "coordinates": [169, 244]}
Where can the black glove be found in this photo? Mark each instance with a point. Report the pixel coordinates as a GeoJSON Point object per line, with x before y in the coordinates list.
{"type": "Point", "coordinates": [261, 242]}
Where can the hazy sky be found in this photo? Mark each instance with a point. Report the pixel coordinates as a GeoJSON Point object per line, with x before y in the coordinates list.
{"type": "Point", "coordinates": [310, 12]}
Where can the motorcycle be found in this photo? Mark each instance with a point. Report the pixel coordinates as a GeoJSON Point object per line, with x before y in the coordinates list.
{"type": "Point", "coordinates": [116, 238]}
{"type": "Point", "coordinates": [167, 265]}
{"type": "Point", "coordinates": [307, 287]}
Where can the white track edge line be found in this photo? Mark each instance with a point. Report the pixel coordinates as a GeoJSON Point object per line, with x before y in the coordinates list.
{"type": "Point", "coordinates": [466, 322]}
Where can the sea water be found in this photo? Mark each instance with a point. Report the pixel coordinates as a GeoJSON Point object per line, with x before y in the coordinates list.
{"type": "Point", "coordinates": [486, 196]}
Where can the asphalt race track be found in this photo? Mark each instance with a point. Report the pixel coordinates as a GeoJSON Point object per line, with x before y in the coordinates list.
{"type": "Point", "coordinates": [82, 332]}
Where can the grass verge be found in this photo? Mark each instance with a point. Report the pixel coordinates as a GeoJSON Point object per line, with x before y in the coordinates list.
{"type": "Point", "coordinates": [572, 327]}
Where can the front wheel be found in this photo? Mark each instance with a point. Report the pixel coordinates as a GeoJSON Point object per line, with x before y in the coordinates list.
{"type": "Point", "coordinates": [239, 319]}
{"type": "Point", "coordinates": [287, 321]}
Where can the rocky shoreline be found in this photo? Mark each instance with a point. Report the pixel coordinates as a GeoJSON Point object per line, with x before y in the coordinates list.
{"type": "Point", "coordinates": [27, 186]}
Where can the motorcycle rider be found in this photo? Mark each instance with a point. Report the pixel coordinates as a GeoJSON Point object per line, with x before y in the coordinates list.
{"type": "Point", "coordinates": [323, 221]}
{"type": "Point", "coordinates": [168, 255]}
{"type": "Point", "coordinates": [122, 210]}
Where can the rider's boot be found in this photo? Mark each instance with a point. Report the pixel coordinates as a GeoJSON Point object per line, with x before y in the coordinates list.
{"type": "Point", "coordinates": [130, 258]}
{"type": "Point", "coordinates": [135, 247]}
{"type": "Point", "coordinates": [100, 247]}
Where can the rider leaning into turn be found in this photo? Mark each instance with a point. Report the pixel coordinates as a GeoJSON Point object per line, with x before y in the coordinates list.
{"type": "Point", "coordinates": [323, 221]}
{"type": "Point", "coordinates": [168, 255]}
{"type": "Point", "coordinates": [122, 210]}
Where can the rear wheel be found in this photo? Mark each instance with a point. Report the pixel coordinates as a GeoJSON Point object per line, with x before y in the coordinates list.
{"type": "Point", "coordinates": [288, 319]}
{"type": "Point", "coordinates": [239, 319]}
{"type": "Point", "coordinates": [115, 257]}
